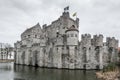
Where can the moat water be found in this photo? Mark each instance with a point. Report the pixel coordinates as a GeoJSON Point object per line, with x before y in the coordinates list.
{"type": "Point", "coordinates": [9, 71]}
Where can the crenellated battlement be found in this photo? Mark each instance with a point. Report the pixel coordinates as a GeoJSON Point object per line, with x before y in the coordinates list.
{"type": "Point", "coordinates": [86, 40]}
{"type": "Point", "coordinates": [86, 36]}
{"type": "Point", "coordinates": [112, 42]}
{"type": "Point", "coordinates": [57, 46]}
{"type": "Point", "coordinates": [97, 40]}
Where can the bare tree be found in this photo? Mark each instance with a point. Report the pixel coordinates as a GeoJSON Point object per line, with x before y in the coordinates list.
{"type": "Point", "coordinates": [1, 50]}
{"type": "Point", "coordinates": [5, 50]}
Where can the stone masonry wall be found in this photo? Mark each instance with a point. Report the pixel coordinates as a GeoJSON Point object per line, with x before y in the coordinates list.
{"type": "Point", "coordinates": [58, 46]}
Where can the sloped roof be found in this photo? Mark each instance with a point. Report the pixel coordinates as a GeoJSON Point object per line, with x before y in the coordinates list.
{"type": "Point", "coordinates": [30, 29]}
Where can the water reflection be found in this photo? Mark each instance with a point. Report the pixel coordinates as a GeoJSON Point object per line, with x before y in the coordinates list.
{"type": "Point", "coordinates": [6, 66]}
{"type": "Point", "coordinates": [6, 71]}
{"type": "Point", "coordinates": [31, 73]}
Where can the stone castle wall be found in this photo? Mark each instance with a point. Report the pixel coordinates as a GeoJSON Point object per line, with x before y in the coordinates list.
{"type": "Point", "coordinates": [58, 46]}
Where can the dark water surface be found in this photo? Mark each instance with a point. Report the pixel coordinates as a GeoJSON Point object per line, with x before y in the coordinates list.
{"type": "Point", "coordinates": [9, 71]}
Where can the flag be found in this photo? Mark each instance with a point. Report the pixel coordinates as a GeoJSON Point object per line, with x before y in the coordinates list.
{"type": "Point", "coordinates": [74, 14]}
{"type": "Point", "coordinates": [66, 8]}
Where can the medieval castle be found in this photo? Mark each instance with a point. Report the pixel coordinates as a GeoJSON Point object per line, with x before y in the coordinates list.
{"type": "Point", "coordinates": [58, 46]}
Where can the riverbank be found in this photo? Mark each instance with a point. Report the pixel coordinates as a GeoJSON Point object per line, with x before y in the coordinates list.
{"type": "Point", "coordinates": [6, 60]}
{"type": "Point", "coordinates": [111, 75]}
{"type": "Point", "coordinates": [109, 72]}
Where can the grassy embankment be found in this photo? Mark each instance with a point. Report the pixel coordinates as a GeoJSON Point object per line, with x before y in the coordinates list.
{"type": "Point", "coordinates": [110, 72]}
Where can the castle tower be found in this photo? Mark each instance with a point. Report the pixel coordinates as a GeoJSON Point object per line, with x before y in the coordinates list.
{"type": "Point", "coordinates": [98, 45]}
{"type": "Point", "coordinates": [72, 36]}
{"type": "Point", "coordinates": [112, 45]}
{"type": "Point", "coordinates": [98, 40]}
{"type": "Point", "coordinates": [112, 42]}
{"type": "Point", "coordinates": [86, 48]}
{"type": "Point", "coordinates": [86, 40]}
{"type": "Point", "coordinates": [72, 42]}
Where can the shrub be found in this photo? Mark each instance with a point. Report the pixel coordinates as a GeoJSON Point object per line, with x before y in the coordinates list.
{"type": "Point", "coordinates": [110, 67]}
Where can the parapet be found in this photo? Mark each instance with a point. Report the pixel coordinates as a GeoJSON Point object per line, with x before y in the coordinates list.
{"type": "Point", "coordinates": [97, 40]}
{"type": "Point", "coordinates": [112, 42]}
{"type": "Point", "coordinates": [85, 36]}
{"type": "Point", "coordinates": [86, 40]}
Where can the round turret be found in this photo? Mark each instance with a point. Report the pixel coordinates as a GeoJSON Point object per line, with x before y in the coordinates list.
{"type": "Point", "coordinates": [72, 35]}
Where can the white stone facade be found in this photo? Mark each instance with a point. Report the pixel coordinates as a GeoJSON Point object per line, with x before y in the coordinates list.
{"type": "Point", "coordinates": [58, 46]}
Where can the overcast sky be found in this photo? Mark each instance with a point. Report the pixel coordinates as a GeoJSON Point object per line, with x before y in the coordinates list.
{"type": "Point", "coordinates": [96, 16]}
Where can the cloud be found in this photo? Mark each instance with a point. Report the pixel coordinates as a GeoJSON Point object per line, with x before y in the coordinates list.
{"type": "Point", "coordinates": [96, 16]}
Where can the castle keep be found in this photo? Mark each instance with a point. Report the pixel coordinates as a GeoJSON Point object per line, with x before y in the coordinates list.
{"type": "Point", "coordinates": [57, 46]}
